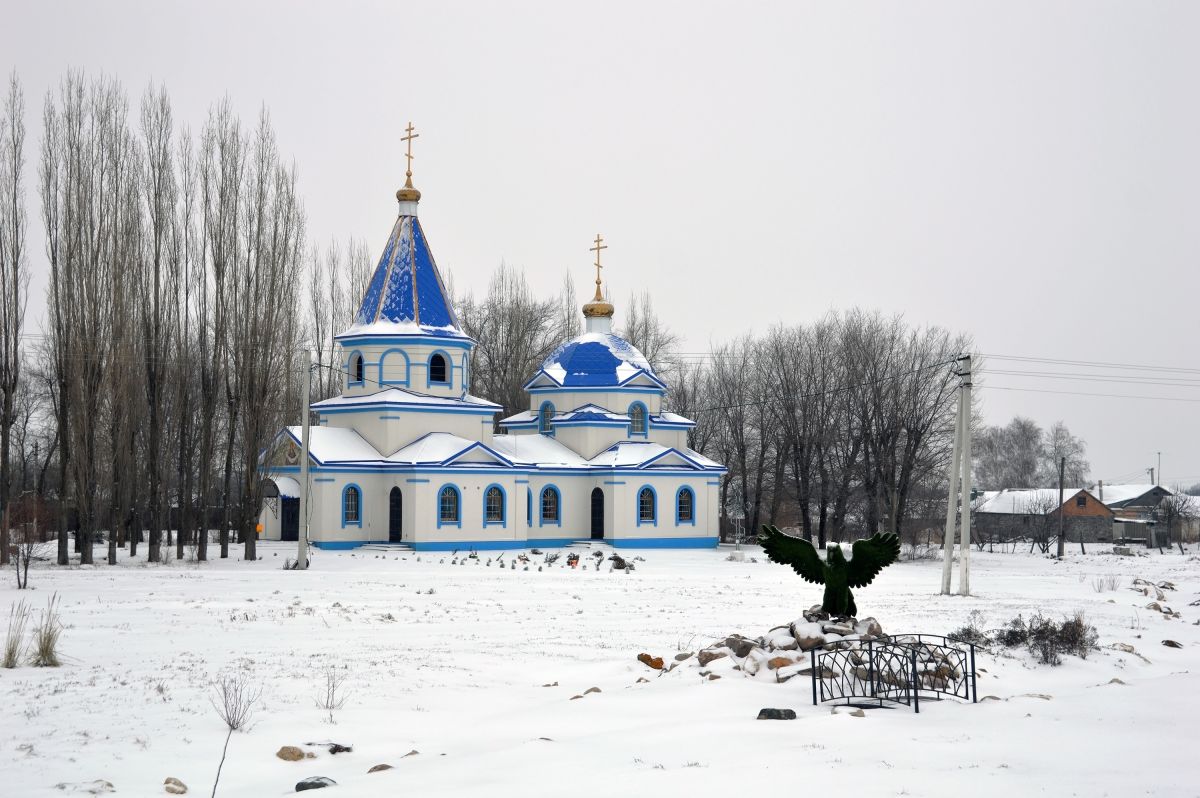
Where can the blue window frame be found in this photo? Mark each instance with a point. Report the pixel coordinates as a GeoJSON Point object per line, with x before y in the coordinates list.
{"type": "Point", "coordinates": [355, 369]}
{"type": "Point", "coordinates": [639, 423]}
{"type": "Point", "coordinates": [352, 506]}
{"type": "Point", "coordinates": [494, 506]}
{"type": "Point", "coordinates": [647, 506]}
{"type": "Point", "coordinates": [437, 370]}
{"type": "Point", "coordinates": [546, 418]}
{"type": "Point", "coordinates": [551, 507]}
{"type": "Point", "coordinates": [529, 506]}
{"type": "Point", "coordinates": [449, 506]}
{"type": "Point", "coordinates": [685, 506]}
{"type": "Point", "coordinates": [394, 354]}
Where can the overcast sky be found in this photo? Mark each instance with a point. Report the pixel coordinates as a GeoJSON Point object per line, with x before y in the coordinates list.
{"type": "Point", "coordinates": [1026, 172]}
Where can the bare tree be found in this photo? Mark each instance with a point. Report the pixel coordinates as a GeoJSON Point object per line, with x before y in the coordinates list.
{"type": "Point", "coordinates": [14, 281]}
{"type": "Point", "coordinates": [1175, 511]}
{"type": "Point", "coordinates": [1059, 443]}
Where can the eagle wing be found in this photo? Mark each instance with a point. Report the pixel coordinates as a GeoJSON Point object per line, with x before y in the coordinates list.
{"type": "Point", "coordinates": [870, 556]}
{"type": "Point", "coordinates": [796, 552]}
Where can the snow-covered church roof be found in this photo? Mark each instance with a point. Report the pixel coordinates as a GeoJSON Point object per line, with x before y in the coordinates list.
{"type": "Point", "coordinates": [595, 360]}
{"type": "Point", "coordinates": [406, 295]}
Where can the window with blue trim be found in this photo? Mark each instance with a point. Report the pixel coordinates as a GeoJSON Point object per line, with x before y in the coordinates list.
{"type": "Point", "coordinates": [437, 368]}
{"type": "Point", "coordinates": [352, 506]}
{"type": "Point", "coordinates": [685, 506]}
{"type": "Point", "coordinates": [448, 505]}
{"type": "Point", "coordinates": [529, 506]}
{"type": "Point", "coordinates": [637, 419]}
{"type": "Point", "coordinates": [393, 367]}
{"type": "Point", "coordinates": [647, 512]}
{"type": "Point", "coordinates": [550, 506]}
{"type": "Point", "coordinates": [493, 505]}
{"type": "Point", "coordinates": [545, 418]}
{"type": "Point", "coordinates": [356, 369]}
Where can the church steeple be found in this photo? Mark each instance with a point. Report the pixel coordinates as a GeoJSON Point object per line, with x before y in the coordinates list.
{"type": "Point", "coordinates": [406, 293]}
{"type": "Point", "coordinates": [599, 312]}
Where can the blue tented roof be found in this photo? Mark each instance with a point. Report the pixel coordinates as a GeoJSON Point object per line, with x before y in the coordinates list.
{"type": "Point", "coordinates": [406, 288]}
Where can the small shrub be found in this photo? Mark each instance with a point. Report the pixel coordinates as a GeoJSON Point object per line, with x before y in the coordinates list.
{"type": "Point", "coordinates": [46, 636]}
{"type": "Point", "coordinates": [1106, 583]}
{"type": "Point", "coordinates": [18, 617]}
{"type": "Point", "coordinates": [1048, 640]}
{"type": "Point", "coordinates": [973, 632]}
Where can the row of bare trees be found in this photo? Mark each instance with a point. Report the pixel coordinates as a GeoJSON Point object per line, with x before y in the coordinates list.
{"type": "Point", "coordinates": [840, 427]}
{"type": "Point", "coordinates": [169, 352]}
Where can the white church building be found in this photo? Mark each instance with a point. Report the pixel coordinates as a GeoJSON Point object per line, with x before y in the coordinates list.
{"type": "Point", "coordinates": [407, 455]}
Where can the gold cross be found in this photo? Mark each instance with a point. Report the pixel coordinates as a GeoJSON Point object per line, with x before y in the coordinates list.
{"type": "Point", "coordinates": [408, 139]}
{"type": "Point", "coordinates": [599, 246]}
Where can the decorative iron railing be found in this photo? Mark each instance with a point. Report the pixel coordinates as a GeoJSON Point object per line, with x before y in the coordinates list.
{"type": "Point", "coordinates": [899, 669]}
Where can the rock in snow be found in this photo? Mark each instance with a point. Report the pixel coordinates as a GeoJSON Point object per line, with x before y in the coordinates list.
{"type": "Point", "coordinates": [290, 753]}
{"type": "Point", "coordinates": [651, 661]}
{"type": "Point", "coordinates": [314, 783]}
{"type": "Point", "coordinates": [769, 713]}
{"type": "Point", "coordinates": [377, 768]}
{"type": "Point", "coordinates": [174, 786]}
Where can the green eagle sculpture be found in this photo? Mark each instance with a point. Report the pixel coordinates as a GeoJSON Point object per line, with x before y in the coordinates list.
{"type": "Point", "coordinates": [868, 558]}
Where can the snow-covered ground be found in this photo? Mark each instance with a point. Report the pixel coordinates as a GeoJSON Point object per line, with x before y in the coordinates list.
{"type": "Point", "coordinates": [451, 661]}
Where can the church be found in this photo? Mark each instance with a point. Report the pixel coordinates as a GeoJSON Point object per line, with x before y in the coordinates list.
{"type": "Point", "coordinates": [406, 455]}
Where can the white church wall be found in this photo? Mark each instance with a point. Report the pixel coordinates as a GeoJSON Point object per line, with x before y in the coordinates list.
{"type": "Point", "coordinates": [391, 429]}
{"type": "Point", "coordinates": [617, 401]}
{"type": "Point", "coordinates": [385, 366]}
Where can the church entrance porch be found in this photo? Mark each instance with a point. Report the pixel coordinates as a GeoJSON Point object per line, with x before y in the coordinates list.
{"type": "Point", "coordinates": [395, 516]}
{"type": "Point", "coordinates": [597, 514]}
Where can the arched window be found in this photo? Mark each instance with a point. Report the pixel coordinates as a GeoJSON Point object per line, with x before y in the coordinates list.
{"type": "Point", "coordinates": [448, 506]}
{"type": "Point", "coordinates": [352, 506]}
{"type": "Point", "coordinates": [545, 418]}
{"type": "Point", "coordinates": [356, 369]}
{"type": "Point", "coordinates": [550, 508]}
{"type": "Point", "coordinates": [529, 506]}
{"type": "Point", "coordinates": [437, 368]}
{"type": "Point", "coordinates": [647, 512]}
{"type": "Point", "coordinates": [637, 419]}
{"type": "Point", "coordinates": [493, 505]}
{"type": "Point", "coordinates": [685, 506]}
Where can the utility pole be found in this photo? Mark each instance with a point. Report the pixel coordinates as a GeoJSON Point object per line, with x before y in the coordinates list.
{"type": "Point", "coordinates": [959, 490]}
{"type": "Point", "coordinates": [964, 554]}
{"type": "Point", "coordinates": [952, 498]}
{"type": "Point", "coordinates": [302, 537]}
{"type": "Point", "coordinates": [1062, 467]}
{"type": "Point", "coordinates": [1151, 472]}
{"type": "Point", "coordinates": [1159, 482]}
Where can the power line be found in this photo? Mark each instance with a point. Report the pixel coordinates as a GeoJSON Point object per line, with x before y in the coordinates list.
{"type": "Point", "coordinates": [1082, 393]}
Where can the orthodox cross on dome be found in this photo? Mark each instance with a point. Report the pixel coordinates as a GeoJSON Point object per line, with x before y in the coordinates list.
{"type": "Point", "coordinates": [408, 140]}
{"type": "Point", "coordinates": [599, 245]}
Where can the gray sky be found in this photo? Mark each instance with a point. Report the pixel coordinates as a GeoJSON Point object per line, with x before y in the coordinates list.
{"type": "Point", "coordinates": [1026, 172]}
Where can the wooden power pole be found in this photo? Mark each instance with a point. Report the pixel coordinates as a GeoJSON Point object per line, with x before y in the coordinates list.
{"type": "Point", "coordinates": [1062, 467]}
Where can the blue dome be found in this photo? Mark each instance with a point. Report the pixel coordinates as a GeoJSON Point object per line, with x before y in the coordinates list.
{"type": "Point", "coordinates": [596, 359]}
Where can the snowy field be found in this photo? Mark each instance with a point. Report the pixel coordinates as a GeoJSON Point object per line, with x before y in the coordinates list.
{"type": "Point", "coordinates": [450, 661]}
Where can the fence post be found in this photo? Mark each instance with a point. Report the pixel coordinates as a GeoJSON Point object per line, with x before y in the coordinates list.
{"type": "Point", "coordinates": [916, 693]}
{"type": "Point", "coordinates": [974, 694]}
{"type": "Point", "coordinates": [812, 653]}
{"type": "Point", "coordinates": [871, 668]}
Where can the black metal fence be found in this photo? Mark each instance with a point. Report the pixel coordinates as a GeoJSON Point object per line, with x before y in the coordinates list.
{"type": "Point", "coordinates": [897, 669]}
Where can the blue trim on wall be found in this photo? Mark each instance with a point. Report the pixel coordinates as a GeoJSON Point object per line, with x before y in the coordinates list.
{"type": "Point", "coordinates": [678, 493]}
{"type": "Point", "coordinates": [614, 482]}
{"type": "Point", "coordinates": [348, 487]}
{"type": "Point", "coordinates": [324, 479]}
{"type": "Point", "coordinates": [407, 366]}
{"type": "Point", "coordinates": [350, 381]}
{"type": "Point", "coordinates": [558, 505]}
{"type": "Point", "coordinates": [665, 543]}
{"type": "Point", "coordinates": [416, 481]}
{"type": "Point", "coordinates": [528, 506]}
{"type": "Point", "coordinates": [390, 340]}
{"type": "Point", "coordinates": [601, 389]}
{"type": "Point", "coordinates": [503, 522]}
{"type": "Point", "coordinates": [438, 507]}
{"type": "Point", "coordinates": [521, 481]}
{"type": "Point", "coordinates": [408, 407]}
{"type": "Point", "coordinates": [449, 381]}
{"type": "Point", "coordinates": [339, 545]}
{"type": "Point", "coordinates": [637, 506]}
{"type": "Point", "coordinates": [444, 470]}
